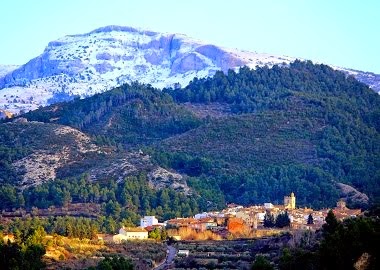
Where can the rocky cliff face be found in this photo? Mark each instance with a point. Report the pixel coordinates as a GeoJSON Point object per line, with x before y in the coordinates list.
{"type": "Point", "coordinates": [82, 65]}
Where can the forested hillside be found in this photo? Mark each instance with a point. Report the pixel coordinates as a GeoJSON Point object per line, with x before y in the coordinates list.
{"type": "Point", "coordinates": [248, 137]}
{"type": "Point", "coordinates": [302, 128]}
{"type": "Point", "coordinates": [131, 115]}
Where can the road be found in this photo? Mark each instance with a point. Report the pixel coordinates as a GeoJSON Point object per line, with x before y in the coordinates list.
{"type": "Point", "coordinates": [170, 255]}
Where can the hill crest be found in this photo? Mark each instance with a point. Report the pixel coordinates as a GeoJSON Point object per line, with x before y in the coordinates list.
{"type": "Point", "coordinates": [85, 64]}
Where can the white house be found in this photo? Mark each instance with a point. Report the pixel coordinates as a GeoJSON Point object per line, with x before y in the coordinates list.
{"type": "Point", "coordinates": [260, 216]}
{"type": "Point", "coordinates": [268, 205]}
{"type": "Point", "coordinates": [130, 234]}
{"type": "Point", "coordinates": [148, 221]}
{"type": "Point", "coordinates": [183, 253]}
{"type": "Point", "coordinates": [201, 215]}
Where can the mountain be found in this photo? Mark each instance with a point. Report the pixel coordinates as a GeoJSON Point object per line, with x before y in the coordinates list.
{"type": "Point", "coordinates": [34, 153]}
{"type": "Point", "coordinates": [5, 69]}
{"type": "Point", "coordinates": [85, 64]}
{"type": "Point", "coordinates": [247, 137]}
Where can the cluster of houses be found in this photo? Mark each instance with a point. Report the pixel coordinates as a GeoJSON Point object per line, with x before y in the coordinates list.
{"type": "Point", "coordinates": [147, 224]}
{"type": "Point", "coordinates": [253, 216]}
{"type": "Point", "coordinates": [236, 218]}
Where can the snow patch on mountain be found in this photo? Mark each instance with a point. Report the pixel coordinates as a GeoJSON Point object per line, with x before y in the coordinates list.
{"type": "Point", "coordinates": [5, 69]}
{"type": "Point", "coordinates": [85, 64]}
{"type": "Point", "coordinates": [369, 78]}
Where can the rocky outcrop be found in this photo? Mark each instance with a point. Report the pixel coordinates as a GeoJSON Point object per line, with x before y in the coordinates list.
{"type": "Point", "coordinates": [56, 151]}
{"type": "Point", "coordinates": [121, 166]}
{"type": "Point", "coordinates": [161, 178]}
{"type": "Point", "coordinates": [59, 146]}
{"type": "Point", "coordinates": [352, 195]}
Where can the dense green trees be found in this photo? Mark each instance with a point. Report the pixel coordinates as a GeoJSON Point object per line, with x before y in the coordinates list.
{"type": "Point", "coordinates": [345, 242]}
{"type": "Point", "coordinates": [123, 202]}
{"type": "Point", "coordinates": [139, 114]}
{"type": "Point", "coordinates": [298, 258]}
{"type": "Point", "coordinates": [261, 263]}
{"type": "Point", "coordinates": [301, 128]}
{"type": "Point", "coordinates": [26, 252]}
{"type": "Point", "coordinates": [158, 234]}
{"type": "Point", "coordinates": [269, 220]}
{"type": "Point", "coordinates": [9, 197]}
{"type": "Point", "coordinates": [323, 121]}
{"type": "Point", "coordinates": [114, 263]}
{"type": "Point", "coordinates": [282, 220]}
{"type": "Point", "coordinates": [340, 246]}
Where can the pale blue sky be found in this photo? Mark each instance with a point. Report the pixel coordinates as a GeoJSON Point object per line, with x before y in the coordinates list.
{"type": "Point", "coordinates": [344, 33]}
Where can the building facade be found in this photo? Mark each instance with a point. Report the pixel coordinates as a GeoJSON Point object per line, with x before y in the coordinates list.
{"type": "Point", "coordinates": [148, 221]}
{"type": "Point", "coordinates": [126, 234]}
{"type": "Point", "coordinates": [290, 201]}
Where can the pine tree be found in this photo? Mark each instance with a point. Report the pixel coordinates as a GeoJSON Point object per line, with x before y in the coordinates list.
{"type": "Point", "coordinates": [283, 220]}
{"type": "Point", "coordinates": [261, 263]}
{"type": "Point", "coordinates": [331, 223]}
{"type": "Point", "coordinates": [268, 220]}
{"type": "Point", "coordinates": [310, 219]}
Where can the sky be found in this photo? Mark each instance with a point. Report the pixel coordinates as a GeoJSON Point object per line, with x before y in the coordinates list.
{"type": "Point", "coordinates": [344, 33]}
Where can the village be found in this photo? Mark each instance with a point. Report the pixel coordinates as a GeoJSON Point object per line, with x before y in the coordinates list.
{"type": "Point", "coordinates": [226, 238]}
{"type": "Point", "coordinates": [237, 221]}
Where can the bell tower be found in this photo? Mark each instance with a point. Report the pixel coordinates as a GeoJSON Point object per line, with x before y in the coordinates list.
{"type": "Point", "coordinates": [290, 201]}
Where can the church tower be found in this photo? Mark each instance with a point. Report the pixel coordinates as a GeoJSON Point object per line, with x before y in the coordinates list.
{"type": "Point", "coordinates": [290, 201]}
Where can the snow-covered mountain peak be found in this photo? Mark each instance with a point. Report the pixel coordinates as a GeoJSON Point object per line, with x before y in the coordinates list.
{"type": "Point", "coordinates": [85, 64]}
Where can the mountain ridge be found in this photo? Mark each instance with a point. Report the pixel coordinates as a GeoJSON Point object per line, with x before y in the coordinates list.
{"type": "Point", "coordinates": [85, 64]}
{"type": "Point", "coordinates": [249, 136]}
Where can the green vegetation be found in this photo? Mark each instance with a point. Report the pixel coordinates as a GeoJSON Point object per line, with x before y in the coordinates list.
{"type": "Point", "coordinates": [261, 263]}
{"type": "Point", "coordinates": [26, 252]}
{"type": "Point", "coordinates": [269, 220]}
{"type": "Point", "coordinates": [114, 263]}
{"type": "Point", "coordinates": [65, 226]}
{"type": "Point", "coordinates": [123, 203]}
{"type": "Point", "coordinates": [130, 114]}
{"type": "Point", "coordinates": [282, 220]}
{"type": "Point", "coordinates": [158, 234]}
{"type": "Point", "coordinates": [303, 128]}
{"type": "Point", "coordinates": [341, 245]}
